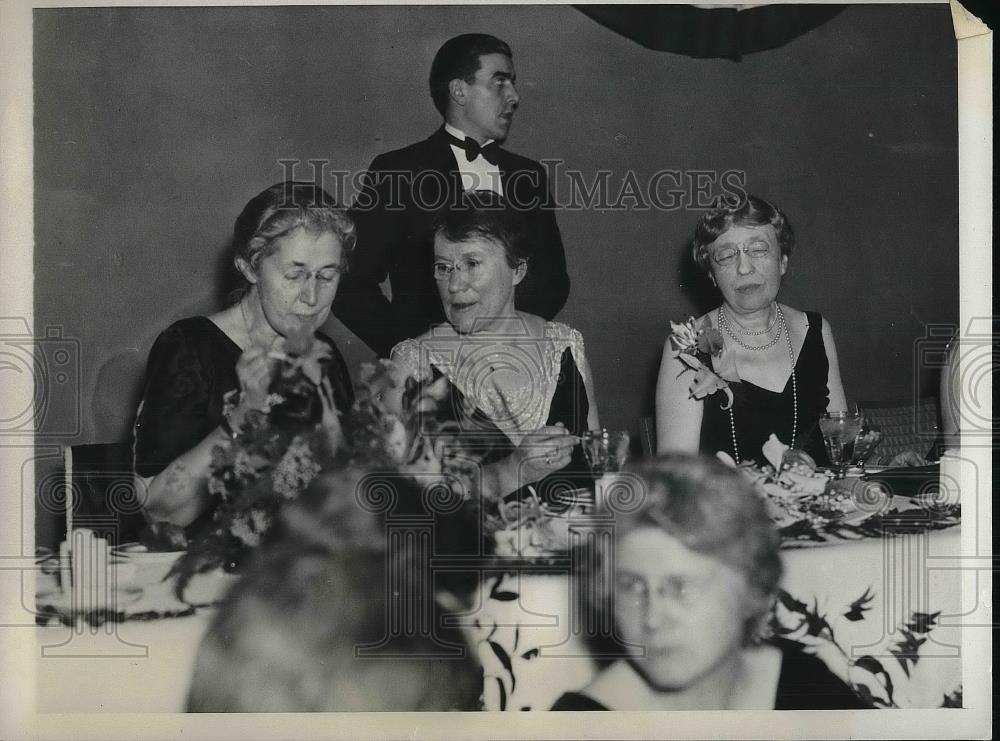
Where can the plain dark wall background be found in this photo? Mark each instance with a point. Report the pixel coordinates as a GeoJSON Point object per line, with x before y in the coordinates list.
{"type": "Point", "coordinates": [154, 126]}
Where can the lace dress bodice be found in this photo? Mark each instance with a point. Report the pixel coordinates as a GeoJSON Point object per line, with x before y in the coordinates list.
{"type": "Point", "coordinates": [512, 379]}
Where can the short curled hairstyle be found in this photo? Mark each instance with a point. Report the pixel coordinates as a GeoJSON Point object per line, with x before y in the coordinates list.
{"type": "Point", "coordinates": [286, 639]}
{"type": "Point", "coordinates": [458, 59]}
{"type": "Point", "coordinates": [278, 211]}
{"type": "Point", "coordinates": [712, 510]}
{"type": "Point", "coordinates": [326, 581]}
{"type": "Point", "coordinates": [750, 211]}
{"type": "Point", "coordinates": [484, 214]}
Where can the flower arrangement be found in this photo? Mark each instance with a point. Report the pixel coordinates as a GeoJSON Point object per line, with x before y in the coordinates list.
{"type": "Point", "coordinates": [398, 425]}
{"type": "Point", "coordinates": [789, 484]}
{"type": "Point", "coordinates": [414, 428]}
{"type": "Point", "coordinates": [701, 348]}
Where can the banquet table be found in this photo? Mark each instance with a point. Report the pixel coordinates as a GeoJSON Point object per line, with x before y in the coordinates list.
{"type": "Point", "coordinates": [145, 665]}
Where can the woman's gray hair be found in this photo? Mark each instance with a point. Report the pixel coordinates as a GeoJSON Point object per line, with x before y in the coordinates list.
{"type": "Point", "coordinates": [278, 211]}
{"type": "Point", "coordinates": [750, 211]}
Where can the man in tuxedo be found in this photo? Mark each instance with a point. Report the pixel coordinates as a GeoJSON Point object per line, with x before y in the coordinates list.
{"type": "Point", "coordinates": [404, 191]}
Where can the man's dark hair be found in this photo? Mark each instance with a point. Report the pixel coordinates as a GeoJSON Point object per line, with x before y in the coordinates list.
{"type": "Point", "coordinates": [458, 58]}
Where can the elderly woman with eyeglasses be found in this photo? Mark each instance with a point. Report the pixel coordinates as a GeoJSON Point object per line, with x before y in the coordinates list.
{"type": "Point", "coordinates": [785, 359]}
{"type": "Point", "coordinates": [687, 582]}
{"type": "Point", "coordinates": [290, 246]}
{"type": "Point", "coordinates": [525, 379]}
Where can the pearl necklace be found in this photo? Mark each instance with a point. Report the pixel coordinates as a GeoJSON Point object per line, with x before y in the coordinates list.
{"type": "Point", "coordinates": [724, 323]}
{"type": "Point", "coordinates": [782, 329]}
{"type": "Point", "coordinates": [758, 332]}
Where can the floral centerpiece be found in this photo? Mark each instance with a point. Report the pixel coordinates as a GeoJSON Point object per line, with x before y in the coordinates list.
{"type": "Point", "coordinates": [398, 426]}
{"type": "Point", "coordinates": [790, 484]}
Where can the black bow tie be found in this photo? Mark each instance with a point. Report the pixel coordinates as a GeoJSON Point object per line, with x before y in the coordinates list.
{"type": "Point", "coordinates": [490, 152]}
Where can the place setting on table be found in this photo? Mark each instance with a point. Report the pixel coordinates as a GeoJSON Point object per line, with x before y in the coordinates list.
{"type": "Point", "coordinates": [849, 499]}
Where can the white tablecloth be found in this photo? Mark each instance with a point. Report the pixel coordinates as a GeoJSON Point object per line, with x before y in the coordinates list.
{"type": "Point", "coordinates": [904, 575]}
{"type": "Point", "coordinates": [129, 667]}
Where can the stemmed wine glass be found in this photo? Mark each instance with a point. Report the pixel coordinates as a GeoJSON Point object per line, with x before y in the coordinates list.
{"type": "Point", "coordinates": [840, 433]}
{"type": "Point", "coordinates": [606, 450]}
{"type": "Point", "coordinates": [869, 437]}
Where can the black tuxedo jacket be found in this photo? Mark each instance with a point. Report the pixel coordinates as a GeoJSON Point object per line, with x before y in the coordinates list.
{"type": "Point", "coordinates": [402, 194]}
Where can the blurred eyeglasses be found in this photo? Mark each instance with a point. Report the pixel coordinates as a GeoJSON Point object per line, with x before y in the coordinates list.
{"type": "Point", "coordinates": [683, 589]}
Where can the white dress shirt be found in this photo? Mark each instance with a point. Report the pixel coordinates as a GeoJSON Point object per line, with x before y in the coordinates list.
{"type": "Point", "coordinates": [478, 174]}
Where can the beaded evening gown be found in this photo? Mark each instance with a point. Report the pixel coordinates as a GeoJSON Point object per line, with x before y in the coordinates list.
{"type": "Point", "coordinates": [758, 412]}
{"type": "Point", "coordinates": [552, 391]}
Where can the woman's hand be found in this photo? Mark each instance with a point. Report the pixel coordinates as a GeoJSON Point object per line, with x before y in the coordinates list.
{"type": "Point", "coordinates": [254, 370]}
{"type": "Point", "coordinates": [330, 419]}
{"type": "Point", "coordinates": [908, 458]}
{"type": "Point", "coordinates": [542, 452]}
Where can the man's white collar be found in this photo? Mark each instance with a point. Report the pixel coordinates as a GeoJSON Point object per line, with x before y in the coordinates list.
{"type": "Point", "coordinates": [459, 134]}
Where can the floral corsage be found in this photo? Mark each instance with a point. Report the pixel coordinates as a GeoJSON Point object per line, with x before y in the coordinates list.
{"type": "Point", "coordinates": [700, 346]}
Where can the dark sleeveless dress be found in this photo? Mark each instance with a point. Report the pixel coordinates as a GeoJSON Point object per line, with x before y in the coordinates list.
{"type": "Point", "coordinates": [758, 412]}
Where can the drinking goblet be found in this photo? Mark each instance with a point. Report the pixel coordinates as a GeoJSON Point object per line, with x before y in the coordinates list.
{"type": "Point", "coordinates": [868, 439]}
{"type": "Point", "coordinates": [840, 432]}
{"type": "Point", "coordinates": [606, 450]}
